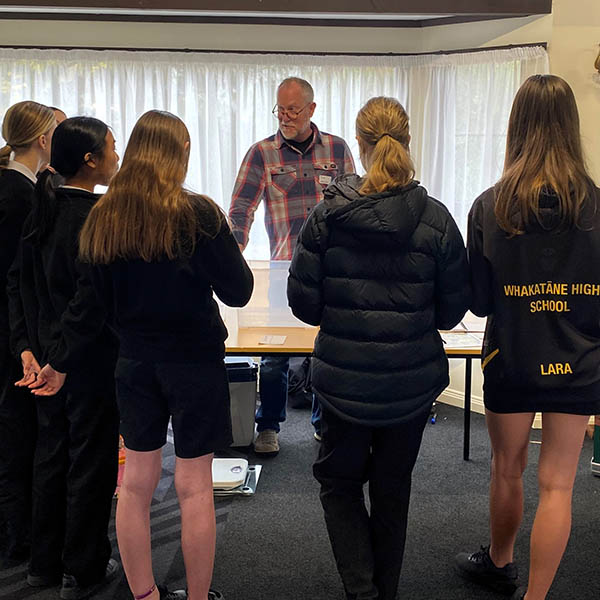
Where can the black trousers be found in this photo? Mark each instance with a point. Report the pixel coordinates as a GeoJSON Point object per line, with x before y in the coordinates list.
{"type": "Point", "coordinates": [17, 444]}
{"type": "Point", "coordinates": [368, 548]}
{"type": "Point", "coordinates": [75, 473]}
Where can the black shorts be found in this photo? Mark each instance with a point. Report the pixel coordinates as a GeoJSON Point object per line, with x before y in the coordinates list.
{"type": "Point", "coordinates": [569, 400]}
{"type": "Point", "coordinates": [194, 395]}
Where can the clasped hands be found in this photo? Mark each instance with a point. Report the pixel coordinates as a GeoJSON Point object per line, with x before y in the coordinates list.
{"type": "Point", "coordinates": [41, 381]}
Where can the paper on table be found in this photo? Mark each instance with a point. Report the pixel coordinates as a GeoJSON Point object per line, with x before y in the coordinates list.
{"type": "Point", "coordinates": [471, 323]}
{"type": "Point", "coordinates": [456, 339]}
{"type": "Point", "coordinates": [272, 340]}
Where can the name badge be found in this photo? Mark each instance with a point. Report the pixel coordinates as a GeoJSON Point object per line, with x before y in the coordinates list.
{"type": "Point", "coordinates": [325, 179]}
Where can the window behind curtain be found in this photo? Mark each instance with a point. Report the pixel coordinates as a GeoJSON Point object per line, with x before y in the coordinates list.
{"type": "Point", "coordinates": [458, 105]}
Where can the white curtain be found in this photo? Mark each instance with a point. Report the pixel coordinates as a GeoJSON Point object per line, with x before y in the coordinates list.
{"type": "Point", "coordinates": [458, 105]}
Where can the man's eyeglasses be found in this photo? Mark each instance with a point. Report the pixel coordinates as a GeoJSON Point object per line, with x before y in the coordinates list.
{"type": "Point", "coordinates": [279, 111]}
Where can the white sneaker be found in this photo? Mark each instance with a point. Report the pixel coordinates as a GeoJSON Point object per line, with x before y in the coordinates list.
{"type": "Point", "coordinates": [266, 443]}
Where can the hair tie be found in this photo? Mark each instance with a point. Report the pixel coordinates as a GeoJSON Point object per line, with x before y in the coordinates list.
{"type": "Point", "coordinates": [148, 593]}
{"type": "Point", "coordinates": [383, 135]}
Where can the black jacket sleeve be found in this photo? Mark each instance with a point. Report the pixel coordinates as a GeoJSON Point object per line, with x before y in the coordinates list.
{"type": "Point", "coordinates": [452, 286]}
{"type": "Point", "coordinates": [83, 320]}
{"type": "Point", "coordinates": [305, 281]}
{"type": "Point", "coordinates": [14, 209]}
{"type": "Point", "coordinates": [13, 212]}
{"type": "Point", "coordinates": [480, 270]}
{"type": "Point", "coordinates": [19, 338]}
{"type": "Point", "coordinates": [225, 268]}
{"type": "Point", "coordinates": [82, 313]}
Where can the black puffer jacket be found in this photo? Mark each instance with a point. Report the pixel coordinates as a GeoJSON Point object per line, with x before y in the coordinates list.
{"type": "Point", "coordinates": [380, 274]}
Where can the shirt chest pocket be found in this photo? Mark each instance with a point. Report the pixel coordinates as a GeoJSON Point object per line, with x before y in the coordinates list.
{"type": "Point", "coordinates": [325, 173]}
{"type": "Point", "coordinates": [283, 179]}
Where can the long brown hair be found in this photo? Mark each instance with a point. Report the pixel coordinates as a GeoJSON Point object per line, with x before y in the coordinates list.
{"type": "Point", "coordinates": [23, 123]}
{"type": "Point", "coordinates": [543, 153]}
{"type": "Point", "coordinates": [382, 131]}
{"type": "Point", "coordinates": [146, 213]}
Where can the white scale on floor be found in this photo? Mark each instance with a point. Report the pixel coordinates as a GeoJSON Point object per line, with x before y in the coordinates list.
{"type": "Point", "coordinates": [233, 476]}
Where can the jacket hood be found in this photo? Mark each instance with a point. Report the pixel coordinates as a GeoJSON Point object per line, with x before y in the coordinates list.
{"type": "Point", "coordinates": [388, 218]}
{"type": "Point", "coordinates": [549, 212]}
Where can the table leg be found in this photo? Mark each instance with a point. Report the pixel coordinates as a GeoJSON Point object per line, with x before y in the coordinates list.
{"type": "Point", "coordinates": [596, 457]}
{"type": "Point", "coordinates": [467, 409]}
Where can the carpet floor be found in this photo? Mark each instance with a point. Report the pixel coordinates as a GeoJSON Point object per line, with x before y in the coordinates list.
{"type": "Point", "coordinates": [274, 546]}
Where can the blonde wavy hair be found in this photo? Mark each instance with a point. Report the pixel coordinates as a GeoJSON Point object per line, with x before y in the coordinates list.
{"type": "Point", "coordinates": [24, 122]}
{"type": "Point", "coordinates": [146, 212]}
{"type": "Point", "coordinates": [543, 152]}
{"type": "Point", "coordinates": [383, 138]}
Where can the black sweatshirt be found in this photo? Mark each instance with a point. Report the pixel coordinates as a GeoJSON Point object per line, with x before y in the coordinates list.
{"type": "Point", "coordinates": [16, 196]}
{"type": "Point", "coordinates": [541, 293]}
{"type": "Point", "coordinates": [161, 311]}
{"type": "Point", "coordinates": [44, 281]}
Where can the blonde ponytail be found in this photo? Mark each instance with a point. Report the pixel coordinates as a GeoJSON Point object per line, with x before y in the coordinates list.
{"type": "Point", "coordinates": [23, 123]}
{"type": "Point", "coordinates": [382, 130]}
{"type": "Point", "coordinates": [5, 156]}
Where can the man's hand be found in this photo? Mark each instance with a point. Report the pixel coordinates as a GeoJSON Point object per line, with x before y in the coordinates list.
{"type": "Point", "coordinates": [31, 369]}
{"type": "Point", "coordinates": [48, 382]}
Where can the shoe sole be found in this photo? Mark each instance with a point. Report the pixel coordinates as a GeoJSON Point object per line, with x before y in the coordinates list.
{"type": "Point", "coordinates": [502, 587]}
{"type": "Point", "coordinates": [267, 453]}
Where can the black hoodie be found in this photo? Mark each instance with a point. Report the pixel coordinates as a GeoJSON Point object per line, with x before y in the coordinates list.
{"type": "Point", "coordinates": [541, 294]}
{"type": "Point", "coordinates": [380, 274]}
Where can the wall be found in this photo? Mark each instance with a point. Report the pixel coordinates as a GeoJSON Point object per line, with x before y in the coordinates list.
{"type": "Point", "coordinates": [573, 49]}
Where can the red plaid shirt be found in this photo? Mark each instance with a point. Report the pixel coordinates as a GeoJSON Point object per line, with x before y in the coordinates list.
{"type": "Point", "coordinates": [291, 184]}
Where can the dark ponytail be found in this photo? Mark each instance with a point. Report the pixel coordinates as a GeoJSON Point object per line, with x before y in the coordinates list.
{"type": "Point", "coordinates": [43, 214]}
{"type": "Point", "coordinates": [73, 139]}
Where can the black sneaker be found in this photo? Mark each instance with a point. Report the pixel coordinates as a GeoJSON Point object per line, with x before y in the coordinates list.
{"type": "Point", "coordinates": [165, 594]}
{"type": "Point", "coordinates": [519, 594]}
{"type": "Point", "coordinates": [479, 567]}
{"type": "Point", "coordinates": [71, 590]}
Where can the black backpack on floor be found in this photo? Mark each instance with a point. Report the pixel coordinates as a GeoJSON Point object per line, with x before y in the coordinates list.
{"type": "Point", "coordinates": [299, 383]}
